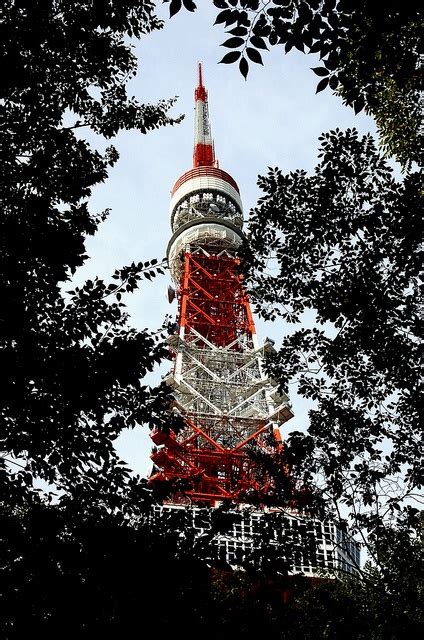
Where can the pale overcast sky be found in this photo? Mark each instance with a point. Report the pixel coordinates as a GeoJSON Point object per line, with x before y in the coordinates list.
{"type": "Point", "coordinates": [273, 119]}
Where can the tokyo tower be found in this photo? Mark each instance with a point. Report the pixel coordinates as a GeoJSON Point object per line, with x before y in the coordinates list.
{"type": "Point", "coordinates": [220, 387]}
{"type": "Point", "coordinates": [227, 403]}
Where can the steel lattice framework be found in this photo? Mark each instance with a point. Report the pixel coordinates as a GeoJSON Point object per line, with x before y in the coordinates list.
{"type": "Point", "coordinates": [219, 384]}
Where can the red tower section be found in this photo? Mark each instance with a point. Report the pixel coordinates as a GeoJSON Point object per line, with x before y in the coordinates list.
{"type": "Point", "coordinates": [213, 301]}
{"type": "Point", "coordinates": [220, 388]}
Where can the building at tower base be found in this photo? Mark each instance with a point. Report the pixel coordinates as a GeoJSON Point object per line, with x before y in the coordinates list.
{"type": "Point", "coordinates": [295, 543]}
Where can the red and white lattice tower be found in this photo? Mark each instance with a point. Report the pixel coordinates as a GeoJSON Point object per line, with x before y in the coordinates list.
{"type": "Point", "coordinates": [219, 385]}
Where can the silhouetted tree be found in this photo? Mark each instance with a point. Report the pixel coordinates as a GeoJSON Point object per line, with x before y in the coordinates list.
{"type": "Point", "coordinates": [71, 365]}
{"type": "Point", "coordinates": [343, 245]}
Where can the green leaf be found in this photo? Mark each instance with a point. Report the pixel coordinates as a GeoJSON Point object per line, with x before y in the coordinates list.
{"type": "Point", "coordinates": [273, 38]}
{"type": "Point", "coordinates": [189, 5]}
{"type": "Point", "coordinates": [316, 47]}
{"type": "Point", "coordinates": [334, 81]}
{"type": "Point", "coordinates": [223, 16]}
{"type": "Point", "coordinates": [238, 31]}
{"type": "Point", "coordinates": [359, 104]}
{"type": "Point", "coordinates": [332, 62]}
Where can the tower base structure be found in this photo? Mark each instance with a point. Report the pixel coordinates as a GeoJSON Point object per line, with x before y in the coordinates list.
{"type": "Point", "coordinates": [294, 544]}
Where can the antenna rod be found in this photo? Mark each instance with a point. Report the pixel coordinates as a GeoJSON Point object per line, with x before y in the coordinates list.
{"type": "Point", "coordinates": [204, 152]}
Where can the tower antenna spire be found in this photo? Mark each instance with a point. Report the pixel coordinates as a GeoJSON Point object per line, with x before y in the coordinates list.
{"type": "Point", "coordinates": [204, 151]}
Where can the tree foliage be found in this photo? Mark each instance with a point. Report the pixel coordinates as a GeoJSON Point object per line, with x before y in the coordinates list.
{"type": "Point", "coordinates": [89, 574]}
{"type": "Point", "coordinates": [369, 53]}
{"type": "Point", "coordinates": [343, 244]}
{"type": "Point", "coordinates": [71, 366]}
{"type": "Point", "coordinates": [297, 608]}
{"type": "Point", "coordinates": [68, 572]}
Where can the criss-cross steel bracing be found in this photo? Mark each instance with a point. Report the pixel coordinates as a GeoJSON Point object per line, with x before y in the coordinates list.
{"type": "Point", "coordinates": [213, 301]}
{"type": "Point", "coordinates": [219, 384]}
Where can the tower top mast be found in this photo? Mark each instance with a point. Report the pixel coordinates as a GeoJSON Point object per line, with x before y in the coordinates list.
{"type": "Point", "coordinates": [204, 151]}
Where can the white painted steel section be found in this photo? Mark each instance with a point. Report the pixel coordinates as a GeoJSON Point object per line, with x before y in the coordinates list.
{"type": "Point", "coordinates": [225, 383]}
{"type": "Point", "coordinates": [202, 127]}
{"type": "Point", "coordinates": [179, 357]}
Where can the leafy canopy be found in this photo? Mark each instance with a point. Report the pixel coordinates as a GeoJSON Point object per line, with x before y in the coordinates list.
{"type": "Point", "coordinates": [343, 244]}
{"type": "Point", "coordinates": [369, 54]}
{"type": "Point", "coordinates": [71, 366]}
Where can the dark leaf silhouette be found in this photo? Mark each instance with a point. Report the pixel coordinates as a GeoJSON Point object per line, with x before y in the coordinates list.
{"type": "Point", "coordinates": [244, 67]}
{"type": "Point", "coordinates": [322, 85]}
{"type": "Point", "coordinates": [320, 71]}
{"type": "Point", "coordinates": [232, 56]}
{"type": "Point", "coordinates": [254, 55]}
{"type": "Point", "coordinates": [174, 7]}
{"type": "Point", "coordinates": [372, 57]}
{"type": "Point", "coordinates": [232, 43]}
